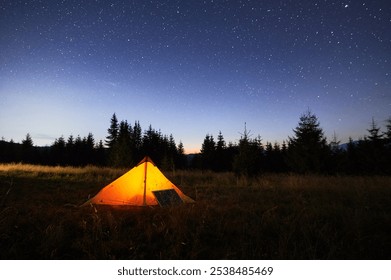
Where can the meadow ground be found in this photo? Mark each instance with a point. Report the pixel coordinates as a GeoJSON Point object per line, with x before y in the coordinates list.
{"type": "Point", "coordinates": [273, 216]}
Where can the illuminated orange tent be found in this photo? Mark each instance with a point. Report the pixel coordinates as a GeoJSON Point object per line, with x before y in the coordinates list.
{"type": "Point", "coordinates": [143, 185]}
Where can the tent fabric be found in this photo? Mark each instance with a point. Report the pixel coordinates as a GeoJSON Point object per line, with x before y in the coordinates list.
{"type": "Point", "coordinates": [135, 187]}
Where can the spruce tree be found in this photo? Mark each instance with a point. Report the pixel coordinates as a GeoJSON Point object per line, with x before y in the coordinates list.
{"type": "Point", "coordinates": [78, 149]}
{"type": "Point", "coordinates": [269, 157]}
{"type": "Point", "coordinates": [121, 152]}
{"type": "Point", "coordinates": [181, 157]}
{"type": "Point", "coordinates": [353, 162]}
{"type": "Point", "coordinates": [137, 141]}
{"type": "Point", "coordinates": [388, 131]}
{"type": "Point", "coordinates": [278, 158]}
{"type": "Point", "coordinates": [208, 152]}
{"type": "Point", "coordinates": [338, 157]}
{"type": "Point", "coordinates": [70, 151]}
{"type": "Point", "coordinates": [152, 144]}
{"type": "Point", "coordinates": [308, 149]}
{"type": "Point", "coordinates": [28, 141]}
{"type": "Point", "coordinates": [220, 142]}
{"type": "Point", "coordinates": [374, 132]}
{"type": "Point", "coordinates": [373, 150]}
{"type": "Point", "coordinates": [88, 149]}
{"type": "Point", "coordinates": [388, 145]}
{"type": "Point", "coordinates": [58, 151]}
{"type": "Point", "coordinates": [221, 158]}
{"type": "Point", "coordinates": [100, 152]}
{"type": "Point", "coordinates": [113, 131]}
{"type": "Point", "coordinates": [28, 149]}
{"type": "Point", "coordinates": [334, 144]}
{"type": "Point", "coordinates": [248, 161]}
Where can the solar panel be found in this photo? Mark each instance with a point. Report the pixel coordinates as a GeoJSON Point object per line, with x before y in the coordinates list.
{"type": "Point", "coordinates": [167, 197]}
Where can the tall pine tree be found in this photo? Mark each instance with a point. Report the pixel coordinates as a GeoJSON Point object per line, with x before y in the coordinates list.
{"type": "Point", "coordinates": [121, 153]}
{"type": "Point", "coordinates": [113, 131]}
{"type": "Point", "coordinates": [248, 161]}
{"type": "Point", "coordinates": [308, 149]}
{"type": "Point", "coordinates": [208, 154]}
{"type": "Point", "coordinates": [28, 149]}
{"type": "Point", "coordinates": [373, 150]}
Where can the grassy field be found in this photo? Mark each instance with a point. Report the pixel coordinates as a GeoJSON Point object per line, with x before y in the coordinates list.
{"type": "Point", "coordinates": [269, 217]}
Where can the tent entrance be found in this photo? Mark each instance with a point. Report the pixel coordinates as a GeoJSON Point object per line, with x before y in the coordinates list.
{"type": "Point", "coordinates": [167, 197]}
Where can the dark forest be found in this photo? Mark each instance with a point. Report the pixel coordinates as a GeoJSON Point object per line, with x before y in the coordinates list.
{"type": "Point", "coordinates": [306, 152]}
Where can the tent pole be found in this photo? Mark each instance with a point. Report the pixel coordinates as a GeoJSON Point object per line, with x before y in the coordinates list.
{"type": "Point", "coordinates": [145, 184]}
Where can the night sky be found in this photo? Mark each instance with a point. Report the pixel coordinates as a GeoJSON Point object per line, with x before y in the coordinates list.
{"type": "Point", "coordinates": [193, 67]}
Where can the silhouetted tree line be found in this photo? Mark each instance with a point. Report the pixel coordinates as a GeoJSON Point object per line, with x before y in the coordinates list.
{"type": "Point", "coordinates": [125, 146]}
{"type": "Point", "coordinates": [77, 151]}
{"type": "Point", "coordinates": [307, 151]}
{"type": "Point", "coordinates": [73, 151]}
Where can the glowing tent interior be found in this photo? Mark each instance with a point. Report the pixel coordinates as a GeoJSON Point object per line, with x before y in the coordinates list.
{"type": "Point", "coordinates": [143, 185]}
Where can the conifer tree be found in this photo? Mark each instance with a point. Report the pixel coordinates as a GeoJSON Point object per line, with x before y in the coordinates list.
{"type": "Point", "coordinates": [308, 149]}
{"type": "Point", "coordinates": [137, 141]}
{"type": "Point", "coordinates": [208, 149]}
{"type": "Point", "coordinates": [249, 159]}
{"type": "Point", "coordinates": [221, 156]}
{"type": "Point", "coordinates": [373, 151]}
{"type": "Point", "coordinates": [337, 158]}
{"type": "Point", "coordinates": [388, 146]}
{"type": "Point", "coordinates": [172, 150]}
{"type": "Point", "coordinates": [58, 151]}
{"type": "Point", "coordinates": [113, 132]}
{"type": "Point", "coordinates": [269, 157]}
{"type": "Point", "coordinates": [99, 153]}
{"type": "Point", "coordinates": [278, 158]}
{"type": "Point", "coordinates": [220, 142]}
{"type": "Point", "coordinates": [374, 132]}
{"type": "Point", "coordinates": [28, 149]}
{"type": "Point", "coordinates": [28, 141]}
{"type": "Point", "coordinates": [88, 149]}
{"type": "Point", "coordinates": [78, 150]}
{"type": "Point", "coordinates": [152, 144]}
{"type": "Point", "coordinates": [334, 144]}
{"type": "Point", "coordinates": [121, 152]}
{"type": "Point", "coordinates": [70, 151]}
{"type": "Point", "coordinates": [70, 141]}
{"type": "Point", "coordinates": [388, 131]}
{"type": "Point", "coordinates": [181, 157]}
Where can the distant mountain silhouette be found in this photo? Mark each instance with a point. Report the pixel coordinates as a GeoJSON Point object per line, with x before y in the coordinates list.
{"type": "Point", "coordinates": [344, 146]}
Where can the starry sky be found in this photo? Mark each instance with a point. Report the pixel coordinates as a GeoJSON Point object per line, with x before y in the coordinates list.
{"type": "Point", "coordinates": [193, 68]}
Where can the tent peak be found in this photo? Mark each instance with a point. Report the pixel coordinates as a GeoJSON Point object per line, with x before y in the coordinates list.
{"type": "Point", "coordinates": [146, 159]}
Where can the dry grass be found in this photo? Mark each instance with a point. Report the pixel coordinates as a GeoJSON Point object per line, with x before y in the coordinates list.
{"type": "Point", "coordinates": [269, 217]}
{"type": "Point", "coordinates": [93, 173]}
